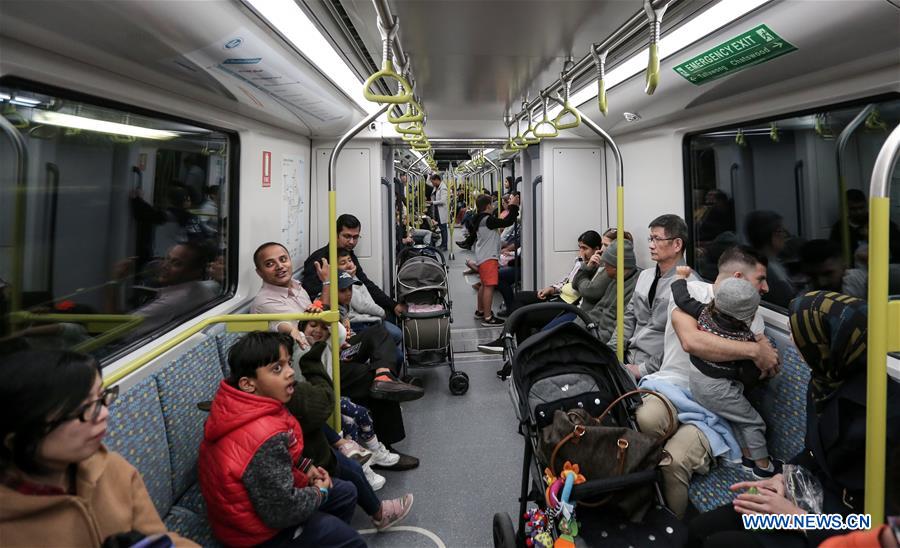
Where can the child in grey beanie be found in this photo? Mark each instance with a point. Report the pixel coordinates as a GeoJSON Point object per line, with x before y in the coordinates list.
{"type": "Point", "coordinates": [720, 386]}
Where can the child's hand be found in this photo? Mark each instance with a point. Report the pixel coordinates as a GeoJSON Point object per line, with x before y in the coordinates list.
{"type": "Point", "coordinates": [683, 272]}
{"type": "Point", "coordinates": [298, 336]}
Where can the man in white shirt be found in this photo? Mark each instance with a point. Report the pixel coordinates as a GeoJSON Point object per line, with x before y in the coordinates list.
{"type": "Point", "coordinates": [691, 448]}
{"type": "Point", "coordinates": [439, 200]}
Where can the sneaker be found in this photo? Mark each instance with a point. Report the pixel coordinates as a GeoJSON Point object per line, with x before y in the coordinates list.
{"type": "Point", "coordinates": [479, 315]}
{"type": "Point", "coordinates": [747, 464]}
{"type": "Point", "coordinates": [380, 454]}
{"type": "Point", "coordinates": [355, 451]}
{"type": "Point", "coordinates": [492, 321]}
{"type": "Point", "coordinates": [776, 466]}
{"type": "Point", "coordinates": [375, 480]}
{"type": "Point", "coordinates": [386, 386]}
{"type": "Point", "coordinates": [393, 511]}
{"type": "Point", "coordinates": [493, 347]}
{"type": "Point", "coordinates": [504, 372]}
{"type": "Point", "coordinates": [464, 245]}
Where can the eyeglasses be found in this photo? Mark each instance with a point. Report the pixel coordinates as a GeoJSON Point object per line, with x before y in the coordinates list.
{"type": "Point", "coordinates": [90, 411]}
{"type": "Point", "coordinates": [351, 238]}
{"type": "Point", "coordinates": [657, 239]}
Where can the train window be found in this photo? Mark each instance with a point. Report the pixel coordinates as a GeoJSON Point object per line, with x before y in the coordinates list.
{"type": "Point", "coordinates": [116, 229]}
{"type": "Point", "coordinates": [774, 185]}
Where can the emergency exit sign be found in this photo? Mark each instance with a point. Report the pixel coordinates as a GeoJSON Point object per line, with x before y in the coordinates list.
{"type": "Point", "coordinates": [755, 46]}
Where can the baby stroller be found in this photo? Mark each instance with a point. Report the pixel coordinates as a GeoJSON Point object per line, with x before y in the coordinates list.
{"type": "Point", "coordinates": [422, 283]}
{"type": "Point", "coordinates": [568, 368]}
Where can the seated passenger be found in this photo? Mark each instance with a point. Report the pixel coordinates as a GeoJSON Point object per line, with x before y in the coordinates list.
{"type": "Point", "coordinates": [646, 312]}
{"type": "Point", "coordinates": [720, 386]}
{"type": "Point", "coordinates": [596, 283]}
{"type": "Point", "coordinates": [256, 486]}
{"type": "Point", "coordinates": [59, 486]}
{"type": "Point", "coordinates": [363, 311]}
{"type": "Point", "coordinates": [701, 435]}
{"type": "Point", "coordinates": [355, 421]}
{"type": "Point", "coordinates": [589, 243]}
{"type": "Point", "coordinates": [829, 330]}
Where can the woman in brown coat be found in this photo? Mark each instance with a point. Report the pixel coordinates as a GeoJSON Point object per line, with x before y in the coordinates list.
{"type": "Point", "coordinates": [58, 485]}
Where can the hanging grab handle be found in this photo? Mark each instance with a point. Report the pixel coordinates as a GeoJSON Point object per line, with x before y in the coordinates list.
{"type": "Point", "coordinates": [404, 90]}
{"type": "Point", "coordinates": [529, 137]}
{"type": "Point", "coordinates": [414, 128]}
{"type": "Point", "coordinates": [655, 16]}
{"type": "Point", "coordinates": [600, 63]}
{"type": "Point", "coordinates": [545, 128]}
{"type": "Point", "coordinates": [567, 108]}
{"type": "Point", "coordinates": [414, 113]}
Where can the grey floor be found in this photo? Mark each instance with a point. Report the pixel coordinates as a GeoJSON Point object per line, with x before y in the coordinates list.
{"type": "Point", "coordinates": [470, 453]}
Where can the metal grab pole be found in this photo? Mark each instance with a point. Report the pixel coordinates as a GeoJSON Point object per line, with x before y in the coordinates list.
{"type": "Point", "coordinates": [21, 150]}
{"type": "Point", "coordinates": [842, 141]}
{"type": "Point", "coordinates": [880, 339]}
{"type": "Point", "coordinates": [620, 234]}
{"type": "Point", "coordinates": [332, 258]}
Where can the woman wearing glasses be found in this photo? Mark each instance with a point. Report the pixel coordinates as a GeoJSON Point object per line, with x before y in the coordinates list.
{"type": "Point", "coordinates": [58, 483]}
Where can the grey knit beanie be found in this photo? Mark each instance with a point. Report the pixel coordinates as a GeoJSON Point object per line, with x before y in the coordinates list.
{"type": "Point", "coordinates": [609, 256]}
{"type": "Point", "coordinates": [737, 298]}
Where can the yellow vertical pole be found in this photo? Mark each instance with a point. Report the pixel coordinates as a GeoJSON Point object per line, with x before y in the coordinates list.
{"type": "Point", "coordinates": [877, 348]}
{"type": "Point", "coordinates": [333, 296]}
{"type": "Point", "coordinates": [620, 272]}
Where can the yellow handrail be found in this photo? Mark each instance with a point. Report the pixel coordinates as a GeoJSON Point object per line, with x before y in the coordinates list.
{"type": "Point", "coordinates": [882, 338]}
{"type": "Point", "coordinates": [235, 322]}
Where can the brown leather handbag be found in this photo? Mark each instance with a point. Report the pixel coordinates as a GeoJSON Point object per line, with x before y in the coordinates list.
{"type": "Point", "coordinates": [605, 452]}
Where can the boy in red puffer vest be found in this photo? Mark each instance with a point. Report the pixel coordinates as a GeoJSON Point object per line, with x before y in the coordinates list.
{"type": "Point", "coordinates": [257, 488]}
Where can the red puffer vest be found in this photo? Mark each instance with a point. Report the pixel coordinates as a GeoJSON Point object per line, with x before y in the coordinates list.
{"type": "Point", "coordinates": [238, 424]}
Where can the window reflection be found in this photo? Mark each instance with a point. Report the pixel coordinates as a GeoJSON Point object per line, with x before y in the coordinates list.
{"type": "Point", "coordinates": [118, 227]}
{"type": "Point", "coordinates": [780, 192]}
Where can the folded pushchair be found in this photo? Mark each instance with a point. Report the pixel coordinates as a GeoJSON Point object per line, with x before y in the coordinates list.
{"type": "Point", "coordinates": [422, 284]}
{"type": "Point", "coordinates": [569, 368]}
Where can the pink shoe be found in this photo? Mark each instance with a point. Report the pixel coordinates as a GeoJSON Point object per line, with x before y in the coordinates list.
{"type": "Point", "coordinates": [393, 511]}
{"type": "Point", "coordinates": [355, 451]}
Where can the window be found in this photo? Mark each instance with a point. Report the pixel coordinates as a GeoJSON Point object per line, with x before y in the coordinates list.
{"type": "Point", "coordinates": [774, 185]}
{"type": "Point", "coordinates": [118, 228]}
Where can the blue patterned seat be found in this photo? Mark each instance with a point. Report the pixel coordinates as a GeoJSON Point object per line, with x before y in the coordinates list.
{"type": "Point", "coordinates": [782, 405]}
{"type": "Point", "coordinates": [136, 431]}
{"type": "Point", "coordinates": [191, 378]}
{"type": "Point", "coordinates": [224, 342]}
{"type": "Point", "coordinates": [191, 525]}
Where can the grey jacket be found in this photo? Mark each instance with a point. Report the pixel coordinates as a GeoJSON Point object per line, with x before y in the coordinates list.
{"type": "Point", "coordinates": [645, 322]}
{"type": "Point", "coordinates": [598, 296]}
{"type": "Point", "coordinates": [363, 307]}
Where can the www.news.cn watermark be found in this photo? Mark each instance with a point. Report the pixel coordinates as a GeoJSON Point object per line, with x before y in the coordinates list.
{"type": "Point", "coordinates": [798, 522]}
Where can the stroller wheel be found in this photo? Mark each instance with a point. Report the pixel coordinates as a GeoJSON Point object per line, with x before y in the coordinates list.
{"type": "Point", "coordinates": [459, 383]}
{"type": "Point", "coordinates": [504, 534]}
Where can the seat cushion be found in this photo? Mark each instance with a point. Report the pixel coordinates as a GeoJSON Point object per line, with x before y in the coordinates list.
{"type": "Point", "coordinates": [137, 431]}
{"type": "Point", "coordinates": [193, 500]}
{"type": "Point", "coordinates": [191, 525]}
{"type": "Point", "coordinates": [191, 378]}
{"type": "Point", "coordinates": [224, 342]}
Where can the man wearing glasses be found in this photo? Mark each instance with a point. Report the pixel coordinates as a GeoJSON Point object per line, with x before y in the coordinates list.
{"type": "Point", "coordinates": [348, 234]}
{"type": "Point", "coordinates": [647, 312]}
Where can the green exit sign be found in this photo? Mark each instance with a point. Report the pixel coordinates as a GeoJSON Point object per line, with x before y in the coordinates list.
{"type": "Point", "coordinates": [757, 45]}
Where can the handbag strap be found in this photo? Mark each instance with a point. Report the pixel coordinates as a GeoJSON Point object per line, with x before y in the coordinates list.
{"type": "Point", "coordinates": [579, 429]}
{"type": "Point", "coordinates": [673, 424]}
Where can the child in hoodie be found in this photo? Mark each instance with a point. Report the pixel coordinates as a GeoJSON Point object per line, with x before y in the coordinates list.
{"type": "Point", "coordinates": [257, 489]}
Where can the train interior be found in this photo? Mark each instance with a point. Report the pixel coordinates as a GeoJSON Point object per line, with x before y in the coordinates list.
{"type": "Point", "coordinates": [129, 125]}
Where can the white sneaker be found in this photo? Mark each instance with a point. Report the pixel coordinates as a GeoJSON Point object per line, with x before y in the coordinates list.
{"type": "Point", "coordinates": [380, 455]}
{"type": "Point", "coordinates": [375, 480]}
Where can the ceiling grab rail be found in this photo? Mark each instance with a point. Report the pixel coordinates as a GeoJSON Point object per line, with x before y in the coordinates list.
{"type": "Point", "coordinates": [655, 16]}
{"type": "Point", "coordinates": [620, 231]}
{"type": "Point", "coordinates": [567, 107]}
{"type": "Point", "coordinates": [21, 150]}
{"type": "Point", "coordinates": [404, 90]}
{"type": "Point", "coordinates": [332, 256]}
{"type": "Point", "coordinates": [600, 64]}
{"type": "Point", "coordinates": [842, 141]}
{"type": "Point", "coordinates": [539, 129]}
{"type": "Point", "coordinates": [881, 337]}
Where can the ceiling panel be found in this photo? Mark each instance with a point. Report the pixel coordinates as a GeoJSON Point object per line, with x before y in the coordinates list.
{"type": "Point", "coordinates": [471, 59]}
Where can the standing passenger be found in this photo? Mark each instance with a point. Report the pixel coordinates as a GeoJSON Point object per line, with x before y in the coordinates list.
{"type": "Point", "coordinates": [487, 254]}
{"type": "Point", "coordinates": [439, 201]}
